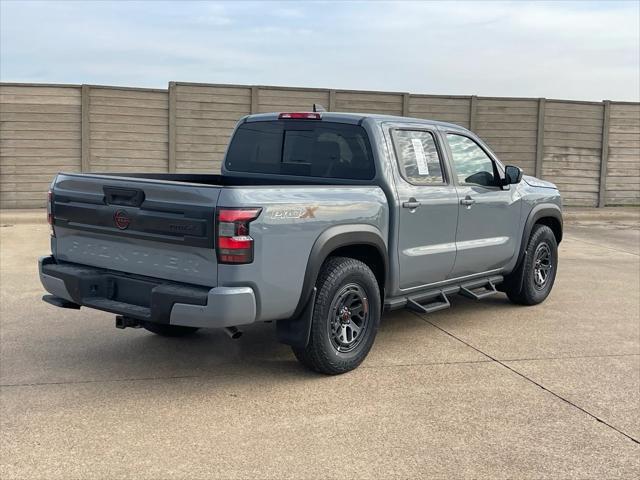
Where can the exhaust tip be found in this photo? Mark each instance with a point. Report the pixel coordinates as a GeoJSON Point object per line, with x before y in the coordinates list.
{"type": "Point", "coordinates": [233, 332]}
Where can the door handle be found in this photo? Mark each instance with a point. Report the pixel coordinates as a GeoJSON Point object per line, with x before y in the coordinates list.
{"type": "Point", "coordinates": [412, 203]}
{"type": "Point", "coordinates": [467, 201]}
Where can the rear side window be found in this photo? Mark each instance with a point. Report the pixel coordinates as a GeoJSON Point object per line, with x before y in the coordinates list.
{"type": "Point", "coordinates": [306, 148]}
{"type": "Point", "coordinates": [418, 157]}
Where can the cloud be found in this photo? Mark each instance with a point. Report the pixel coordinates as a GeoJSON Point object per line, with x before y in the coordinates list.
{"type": "Point", "coordinates": [569, 50]}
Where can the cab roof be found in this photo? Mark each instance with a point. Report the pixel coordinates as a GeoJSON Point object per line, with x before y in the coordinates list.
{"type": "Point", "coordinates": [348, 117]}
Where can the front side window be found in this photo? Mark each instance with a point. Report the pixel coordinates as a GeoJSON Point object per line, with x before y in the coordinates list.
{"type": "Point", "coordinates": [418, 157]}
{"type": "Point", "coordinates": [473, 166]}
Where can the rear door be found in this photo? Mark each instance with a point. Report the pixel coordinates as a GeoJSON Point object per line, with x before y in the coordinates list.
{"type": "Point", "coordinates": [155, 228]}
{"type": "Point", "coordinates": [428, 212]}
{"type": "Point", "coordinates": [489, 213]}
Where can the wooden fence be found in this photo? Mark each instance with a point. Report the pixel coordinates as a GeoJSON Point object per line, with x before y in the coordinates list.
{"type": "Point", "coordinates": [591, 150]}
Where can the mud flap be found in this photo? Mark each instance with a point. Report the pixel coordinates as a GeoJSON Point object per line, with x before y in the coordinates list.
{"type": "Point", "coordinates": [295, 331]}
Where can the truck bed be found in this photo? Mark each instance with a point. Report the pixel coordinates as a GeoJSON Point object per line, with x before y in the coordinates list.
{"type": "Point", "coordinates": [238, 180]}
{"type": "Point", "coordinates": [163, 226]}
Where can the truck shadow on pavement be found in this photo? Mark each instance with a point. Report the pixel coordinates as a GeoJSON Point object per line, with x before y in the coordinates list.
{"type": "Point", "coordinates": [210, 353]}
{"type": "Point", "coordinates": [85, 347]}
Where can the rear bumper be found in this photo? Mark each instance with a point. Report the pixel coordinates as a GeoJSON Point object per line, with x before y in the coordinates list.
{"type": "Point", "coordinates": [148, 299]}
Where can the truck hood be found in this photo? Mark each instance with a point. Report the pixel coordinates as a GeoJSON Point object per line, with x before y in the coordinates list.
{"type": "Point", "coordinates": [536, 182]}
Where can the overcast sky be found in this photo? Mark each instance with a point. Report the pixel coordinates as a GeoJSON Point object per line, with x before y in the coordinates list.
{"type": "Point", "coordinates": [572, 50]}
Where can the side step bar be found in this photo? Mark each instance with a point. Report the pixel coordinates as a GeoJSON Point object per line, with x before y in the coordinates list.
{"type": "Point", "coordinates": [478, 293]}
{"type": "Point", "coordinates": [440, 302]}
{"type": "Point", "coordinates": [430, 301]}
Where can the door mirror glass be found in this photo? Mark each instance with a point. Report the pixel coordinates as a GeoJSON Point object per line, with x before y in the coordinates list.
{"type": "Point", "coordinates": [512, 174]}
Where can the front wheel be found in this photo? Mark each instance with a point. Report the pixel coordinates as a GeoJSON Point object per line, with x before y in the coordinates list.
{"type": "Point", "coordinates": [345, 320]}
{"type": "Point", "coordinates": [532, 282]}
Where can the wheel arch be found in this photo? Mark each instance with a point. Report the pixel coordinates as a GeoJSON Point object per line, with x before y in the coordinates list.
{"type": "Point", "coordinates": [553, 223]}
{"type": "Point", "coordinates": [547, 214]}
{"type": "Point", "coordinates": [367, 254]}
{"type": "Point", "coordinates": [360, 241]}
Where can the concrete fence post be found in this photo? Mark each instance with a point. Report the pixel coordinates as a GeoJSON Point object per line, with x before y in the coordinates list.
{"type": "Point", "coordinates": [604, 155]}
{"type": "Point", "coordinates": [332, 100]}
{"type": "Point", "coordinates": [255, 99]}
{"type": "Point", "coordinates": [540, 138]}
{"type": "Point", "coordinates": [406, 98]}
{"type": "Point", "coordinates": [171, 167]}
{"type": "Point", "coordinates": [85, 131]}
{"type": "Point", "coordinates": [473, 112]}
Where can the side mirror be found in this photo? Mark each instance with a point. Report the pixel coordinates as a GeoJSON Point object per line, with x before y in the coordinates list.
{"type": "Point", "coordinates": [512, 174]}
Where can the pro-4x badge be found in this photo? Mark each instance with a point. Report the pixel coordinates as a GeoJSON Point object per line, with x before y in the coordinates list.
{"type": "Point", "coordinates": [292, 213]}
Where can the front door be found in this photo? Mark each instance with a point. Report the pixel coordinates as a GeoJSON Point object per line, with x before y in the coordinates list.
{"type": "Point", "coordinates": [489, 213]}
{"type": "Point", "coordinates": [428, 211]}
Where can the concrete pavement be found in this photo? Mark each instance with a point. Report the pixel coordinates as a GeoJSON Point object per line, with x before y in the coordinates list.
{"type": "Point", "coordinates": [482, 390]}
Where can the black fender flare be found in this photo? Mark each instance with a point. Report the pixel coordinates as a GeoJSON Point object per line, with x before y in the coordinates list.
{"type": "Point", "coordinates": [543, 210]}
{"type": "Point", "coordinates": [539, 211]}
{"type": "Point", "coordinates": [295, 330]}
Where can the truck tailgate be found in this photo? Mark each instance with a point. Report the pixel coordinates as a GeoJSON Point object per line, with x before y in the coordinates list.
{"type": "Point", "coordinates": [156, 228]}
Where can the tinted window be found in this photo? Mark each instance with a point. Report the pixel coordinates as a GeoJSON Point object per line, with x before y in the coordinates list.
{"type": "Point", "coordinates": [472, 165]}
{"type": "Point", "coordinates": [418, 157]}
{"type": "Point", "coordinates": [307, 148]}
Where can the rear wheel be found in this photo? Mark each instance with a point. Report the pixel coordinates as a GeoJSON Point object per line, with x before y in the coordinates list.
{"type": "Point", "coordinates": [166, 330]}
{"type": "Point", "coordinates": [345, 320]}
{"type": "Point", "coordinates": [532, 282]}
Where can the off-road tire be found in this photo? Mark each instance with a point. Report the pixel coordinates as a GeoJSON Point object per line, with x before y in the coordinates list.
{"type": "Point", "coordinates": [165, 330]}
{"type": "Point", "coordinates": [520, 286]}
{"type": "Point", "coordinates": [321, 354]}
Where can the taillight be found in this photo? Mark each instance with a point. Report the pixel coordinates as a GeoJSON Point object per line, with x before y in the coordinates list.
{"type": "Point", "coordinates": [50, 211]}
{"type": "Point", "coordinates": [300, 116]}
{"type": "Point", "coordinates": [234, 245]}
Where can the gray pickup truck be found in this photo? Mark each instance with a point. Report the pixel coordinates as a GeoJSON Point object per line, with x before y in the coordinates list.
{"type": "Point", "coordinates": [319, 222]}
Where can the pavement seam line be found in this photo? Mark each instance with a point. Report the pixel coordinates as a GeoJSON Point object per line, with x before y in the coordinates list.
{"type": "Point", "coordinates": [569, 357]}
{"type": "Point", "coordinates": [569, 402]}
{"type": "Point", "coordinates": [111, 380]}
{"type": "Point", "coordinates": [426, 364]}
{"type": "Point", "coordinates": [179, 377]}
{"type": "Point", "coordinates": [601, 246]}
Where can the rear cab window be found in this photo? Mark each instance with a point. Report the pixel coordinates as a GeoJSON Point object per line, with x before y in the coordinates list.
{"type": "Point", "coordinates": [311, 148]}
